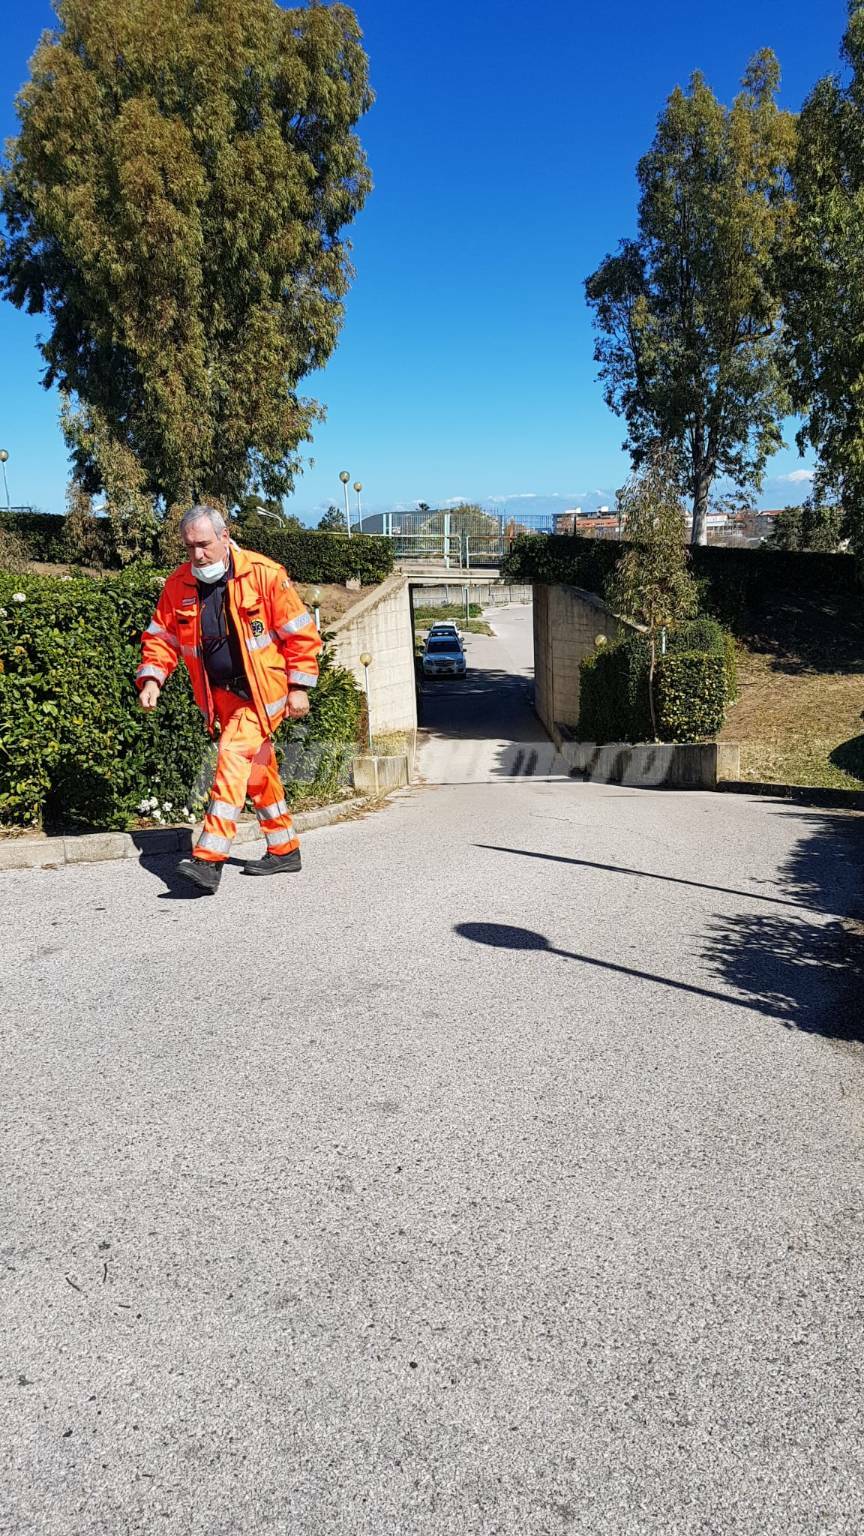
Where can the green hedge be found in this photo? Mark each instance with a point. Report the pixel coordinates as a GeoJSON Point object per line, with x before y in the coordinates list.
{"type": "Point", "coordinates": [691, 694]}
{"type": "Point", "coordinates": [690, 702]}
{"type": "Point", "coordinates": [43, 534]}
{"type": "Point", "coordinates": [732, 581]}
{"type": "Point", "coordinates": [323, 557]}
{"type": "Point", "coordinates": [613, 694]}
{"type": "Point", "coordinates": [308, 555]}
{"type": "Point", "coordinates": [76, 750]}
{"type": "Point", "coordinates": [706, 634]}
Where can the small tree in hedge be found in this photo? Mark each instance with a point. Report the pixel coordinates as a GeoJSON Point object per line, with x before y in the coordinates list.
{"type": "Point", "coordinates": [651, 583]}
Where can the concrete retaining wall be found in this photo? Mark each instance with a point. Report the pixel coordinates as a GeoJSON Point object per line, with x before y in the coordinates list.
{"type": "Point", "coordinates": [567, 622]}
{"type": "Point", "coordinates": [489, 594]}
{"type": "Point", "coordinates": [378, 775]}
{"type": "Point", "coordinates": [666, 765]}
{"type": "Point", "coordinates": [381, 625]}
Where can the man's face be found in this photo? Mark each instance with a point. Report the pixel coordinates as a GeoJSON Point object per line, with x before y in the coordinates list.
{"type": "Point", "coordinates": [203, 546]}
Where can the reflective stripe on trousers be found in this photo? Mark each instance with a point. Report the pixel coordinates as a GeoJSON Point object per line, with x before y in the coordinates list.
{"type": "Point", "coordinates": [246, 765]}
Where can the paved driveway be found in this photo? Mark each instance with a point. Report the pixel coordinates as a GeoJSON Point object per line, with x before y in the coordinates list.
{"type": "Point", "coordinates": [511, 1183]}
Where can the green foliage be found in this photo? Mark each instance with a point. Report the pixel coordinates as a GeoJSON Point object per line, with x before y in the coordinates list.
{"type": "Point", "coordinates": [692, 687]}
{"type": "Point", "coordinates": [75, 749]}
{"type": "Point", "coordinates": [175, 202]}
{"type": "Point", "coordinates": [822, 278]}
{"type": "Point", "coordinates": [307, 555]}
{"type": "Point", "coordinates": [560, 557]}
{"type": "Point", "coordinates": [333, 520]}
{"type": "Point", "coordinates": [691, 695]}
{"type": "Point", "coordinates": [613, 697]}
{"type": "Point", "coordinates": [706, 634]}
{"type": "Point", "coordinates": [811, 526]}
{"type": "Point", "coordinates": [732, 583]}
{"type": "Point", "coordinates": [688, 313]}
{"type": "Point", "coordinates": [651, 583]}
{"type": "Point", "coordinates": [325, 557]}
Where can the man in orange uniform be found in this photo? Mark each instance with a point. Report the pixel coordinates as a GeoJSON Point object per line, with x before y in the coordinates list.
{"type": "Point", "coordinates": [252, 653]}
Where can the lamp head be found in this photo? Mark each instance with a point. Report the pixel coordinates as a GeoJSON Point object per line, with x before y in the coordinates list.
{"type": "Point", "coordinates": [358, 487]}
{"type": "Point", "coordinates": [365, 659]}
{"type": "Point", "coordinates": [3, 456]}
{"type": "Point", "coordinates": [344, 476]}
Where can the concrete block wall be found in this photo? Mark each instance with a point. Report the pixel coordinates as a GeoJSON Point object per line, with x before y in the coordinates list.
{"type": "Point", "coordinates": [489, 594]}
{"type": "Point", "coordinates": [381, 625]}
{"type": "Point", "coordinates": [567, 621]}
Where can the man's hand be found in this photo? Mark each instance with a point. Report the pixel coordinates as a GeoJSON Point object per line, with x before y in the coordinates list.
{"type": "Point", "coordinates": [148, 696]}
{"type": "Point", "coordinates": [298, 703]}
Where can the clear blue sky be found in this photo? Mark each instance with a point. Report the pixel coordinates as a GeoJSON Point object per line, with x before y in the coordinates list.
{"type": "Point", "coordinates": [503, 145]}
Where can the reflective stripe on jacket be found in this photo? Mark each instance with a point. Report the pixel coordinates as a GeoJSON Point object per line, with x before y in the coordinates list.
{"type": "Point", "coordinates": [278, 637]}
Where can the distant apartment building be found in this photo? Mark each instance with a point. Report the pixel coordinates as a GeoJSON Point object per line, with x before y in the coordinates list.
{"type": "Point", "coordinates": [744, 529]}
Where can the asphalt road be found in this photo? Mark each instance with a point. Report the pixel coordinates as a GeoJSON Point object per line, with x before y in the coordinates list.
{"type": "Point", "coordinates": [500, 1174]}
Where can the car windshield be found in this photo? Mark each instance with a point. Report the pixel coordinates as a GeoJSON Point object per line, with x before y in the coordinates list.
{"type": "Point", "coordinates": [443, 647]}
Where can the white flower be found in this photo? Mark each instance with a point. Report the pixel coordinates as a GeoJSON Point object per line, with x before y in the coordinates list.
{"type": "Point", "coordinates": [185, 811]}
{"type": "Point", "coordinates": [152, 803]}
{"type": "Point", "coordinates": [191, 820]}
{"type": "Point", "coordinates": [19, 597]}
{"type": "Point", "coordinates": [3, 613]}
{"type": "Point", "coordinates": [157, 816]}
{"type": "Point", "coordinates": [167, 805]}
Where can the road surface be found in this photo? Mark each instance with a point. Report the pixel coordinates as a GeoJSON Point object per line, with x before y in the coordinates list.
{"type": "Point", "coordinates": [502, 1174]}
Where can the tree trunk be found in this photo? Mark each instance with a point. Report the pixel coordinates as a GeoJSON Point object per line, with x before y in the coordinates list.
{"type": "Point", "coordinates": [702, 485]}
{"type": "Point", "coordinates": [651, 669]}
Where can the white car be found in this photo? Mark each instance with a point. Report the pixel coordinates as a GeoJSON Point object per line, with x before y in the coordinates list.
{"type": "Point", "coordinates": [443, 656]}
{"type": "Point", "coordinates": [445, 627]}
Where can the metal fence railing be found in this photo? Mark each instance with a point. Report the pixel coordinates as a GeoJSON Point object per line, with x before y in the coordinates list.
{"type": "Point", "coordinates": [479, 539]}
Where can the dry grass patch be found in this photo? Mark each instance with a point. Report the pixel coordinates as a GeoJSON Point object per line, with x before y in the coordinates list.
{"type": "Point", "coordinates": [801, 727]}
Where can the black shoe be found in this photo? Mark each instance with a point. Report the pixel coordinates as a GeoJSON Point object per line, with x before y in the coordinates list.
{"type": "Point", "coordinates": [274, 864]}
{"type": "Point", "coordinates": [202, 872]}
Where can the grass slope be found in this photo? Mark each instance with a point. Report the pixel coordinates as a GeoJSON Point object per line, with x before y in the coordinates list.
{"type": "Point", "coordinates": [801, 692]}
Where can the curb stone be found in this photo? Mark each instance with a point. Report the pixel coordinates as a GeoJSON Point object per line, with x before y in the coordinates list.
{"type": "Point", "coordinates": [99, 847]}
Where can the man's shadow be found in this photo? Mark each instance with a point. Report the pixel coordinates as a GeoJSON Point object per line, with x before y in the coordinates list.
{"type": "Point", "coordinates": [163, 867]}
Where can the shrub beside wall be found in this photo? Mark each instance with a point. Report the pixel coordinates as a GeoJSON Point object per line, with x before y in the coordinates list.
{"type": "Point", "coordinates": [692, 687]}
{"type": "Point", "coordinates": [76, 750]}
{"type": "Point", "coordinates": [691, 693]}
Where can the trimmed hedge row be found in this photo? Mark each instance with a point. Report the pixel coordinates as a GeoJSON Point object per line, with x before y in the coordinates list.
{"type": "Point", "coordinates": [76, 750]}
{"type": "Point", "coordinates": [694, 684]}
{"type": "Point", "coordinates": [732, 581]}
{"type": "Point", "coordinates": [322, 557]}
{"type": "Point", "coordinates": [308, 555]}
{"type": "Point", "coordinates": [613, 694]}
{"type": "Point", "coordinates": [691, 696]}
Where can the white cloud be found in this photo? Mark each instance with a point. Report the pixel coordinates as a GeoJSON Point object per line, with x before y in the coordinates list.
{"type": "Point", "coordinates": [796, 477]}
{"type": "Point", "coordinates": [517, 496]}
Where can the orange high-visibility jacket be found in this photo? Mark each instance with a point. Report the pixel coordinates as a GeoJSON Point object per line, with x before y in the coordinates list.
{"type": "Point", "coordinates": [278, 638]}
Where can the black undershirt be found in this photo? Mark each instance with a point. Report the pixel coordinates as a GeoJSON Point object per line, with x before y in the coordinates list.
{"type": "Point", "coordinates": [220, 643]}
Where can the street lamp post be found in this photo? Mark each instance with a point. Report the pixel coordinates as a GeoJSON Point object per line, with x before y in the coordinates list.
{"type": "Point", "coordinates": [3, 460]}
{"type": "Point", "coordinates": [366, 662]}
{"type": "Point", "coordinates": [315, 596]}
{"type": "Point", "coordinates": [345, 477]}
{"type": "Point", "coordinates": [358, 488]}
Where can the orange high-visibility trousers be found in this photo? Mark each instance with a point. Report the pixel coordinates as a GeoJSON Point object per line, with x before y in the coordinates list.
{"type": "Point", "coordinates": [246, 764]}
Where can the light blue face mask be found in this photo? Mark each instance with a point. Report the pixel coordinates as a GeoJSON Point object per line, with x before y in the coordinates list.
{"type": "Point", "coordinates": [210, 573]}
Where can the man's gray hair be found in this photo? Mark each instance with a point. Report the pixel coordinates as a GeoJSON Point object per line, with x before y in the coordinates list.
{"type": "Point", "coordinates": [195, 514]}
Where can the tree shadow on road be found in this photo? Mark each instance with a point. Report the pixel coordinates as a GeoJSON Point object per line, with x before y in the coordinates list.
{"type": "Point", "coordinates": [802, 965]}
{"type": "Point", "coordinates": [805, 967]}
